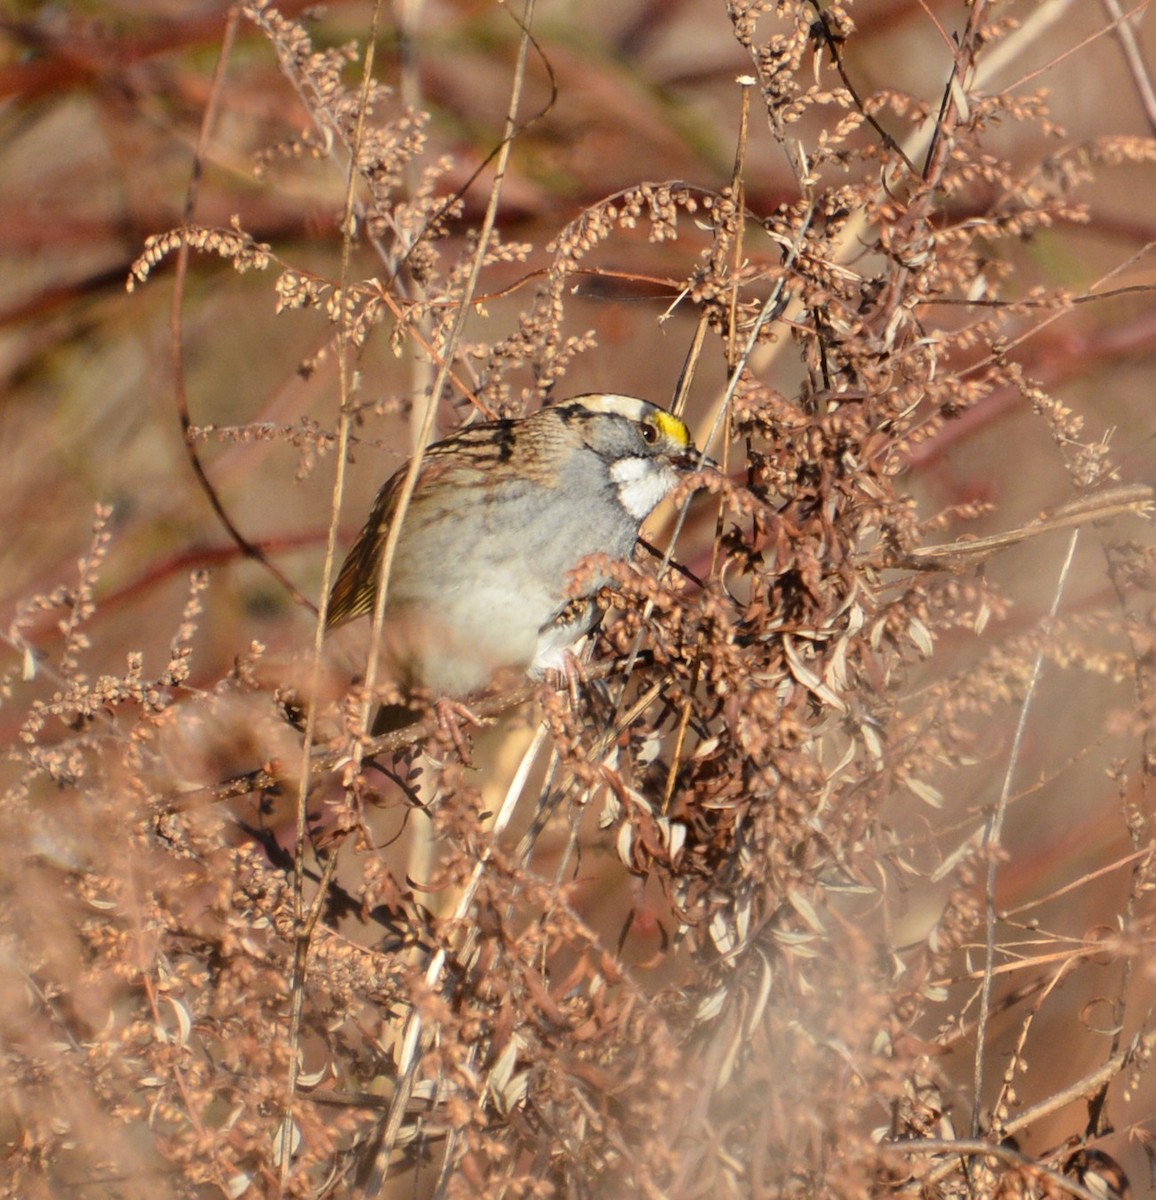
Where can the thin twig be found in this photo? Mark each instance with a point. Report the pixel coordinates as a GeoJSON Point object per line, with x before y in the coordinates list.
{"type": "Point", "coordinates": [1132, 500]}
{"type": "Point", "coordinates": [1134, 57]}
{"type": "Point", "coordinates": [1049, 14]}
{"type": "Point", "coordinates": [981, 1149]}
{"type": "Point", "coordinates": [412, 1037]}
{"type": "Point", "coordinates": [176, 326]}
{"type": "Point", "coordinates": [991, 842]}
{"type": "Point", "coordinates": [304, 924]}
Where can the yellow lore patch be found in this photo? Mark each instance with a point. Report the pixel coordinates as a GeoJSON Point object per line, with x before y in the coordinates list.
{"type": "Point", "coordinates": [672, 427]}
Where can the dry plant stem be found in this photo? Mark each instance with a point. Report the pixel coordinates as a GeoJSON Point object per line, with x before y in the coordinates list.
{"type": "Point", "coordinates": [1144, 660]}
{"type": "Point", "coordinates": [1029, 33]}
{"type": "Point", "coordinates": [305, 926]}
{"type": "Point", "coordinates": [176, 330]}
{"type": "Point", "coordinates": [1134, 499]}
{"type": "Point", "coordinates": [1005, 1098]}
{"type": "Point", "coordinates": [409, 1056]}
{"type": "Point", "coordinates": [770, 307]}
{"type": "Point", "coordinates": [509, 806]}
{"type": "Point", "coordinates": [1063, 959]}
{"type": "Point", "coordinates": [686, 375]}
{"type": "Point", "coordinates": [1120, 1006]}
{"type": "Point", "coordinates": [330, 127]}
{"type": "Point", "coordinates": [738, 191]}
{"type": "Point", "coordinates": [832, 44]}
{"type": "Point", "coordinates": [546, 809]}
{"type": "Point", "coordinates": [1089, 877]}
{"type": "Point", "coordinates": [302, 940]}
{"type": "Point", "coordinates": [679, 743]}
{"type": "Point", "coordinates": [991, 843]}
{"type": "Point", "coordinates": [1048, 16]}
{"type": "Point", "coordinates": [953, 109]}
{"type": "Point", "coordinates": [1134, 57]}
{"type": "Point", "coordinates": [980, 1148]}
{"type": "Point", "coordinates": [954, 106]}
{"type": "Point", "coordinates": [1081, 1089]}
{"type": "Point", "coordinates": [967, 847]}
{"type": "Point", "coordinates": [597, 752]}
{"type": "Point", "coordinates": [856, 233]}
{"type": "Point", "coordinates": [424, 396]}
{"type": "Point", "coordinates": [1048, 303]}
{"type": "Point", "coordinates": [408, 18]}
{"type": "Point", "coordinates": [444, 366]}
{"type": "Point", "coordinates": [1093, 293]}
{"type": "Point", "coordinates": [723, 404]}
{"type": "Point", "coordinates": [1141, 1047]}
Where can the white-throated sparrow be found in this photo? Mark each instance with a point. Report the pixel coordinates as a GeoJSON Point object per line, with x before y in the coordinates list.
{"type": "Point", "coordinates": [501, 515]}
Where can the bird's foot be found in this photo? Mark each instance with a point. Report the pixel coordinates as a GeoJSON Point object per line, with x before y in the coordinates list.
{"type": "Point", "coordinates": [452, 715]}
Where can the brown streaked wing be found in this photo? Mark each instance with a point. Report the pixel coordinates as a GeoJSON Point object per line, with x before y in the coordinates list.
{"type": "Point", "coordinates": [462, 460]}
{"type": "Point", "coordinates": [356, 584]}
{"type": "Point", "coordinates": [355, 588]}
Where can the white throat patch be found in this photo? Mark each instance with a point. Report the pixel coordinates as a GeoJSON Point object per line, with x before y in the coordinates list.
{"type": "Point", "coordinates": [642, 483]}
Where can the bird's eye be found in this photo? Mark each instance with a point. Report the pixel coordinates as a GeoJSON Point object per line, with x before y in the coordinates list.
{"type": "Point", "coordinates": [649, 434]}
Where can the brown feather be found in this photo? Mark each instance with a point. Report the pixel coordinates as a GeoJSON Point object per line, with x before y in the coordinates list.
{"type": "Point", "coordinates": [356, 585]}
{"type": "Point", "coordinates": [487, 445]}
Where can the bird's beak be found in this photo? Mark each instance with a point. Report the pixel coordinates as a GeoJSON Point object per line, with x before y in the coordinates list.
{"type": "Point", "coordinates": [694, 460]}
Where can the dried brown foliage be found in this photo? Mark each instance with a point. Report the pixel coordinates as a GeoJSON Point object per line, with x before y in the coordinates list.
{"type": "Point", "coordinates": [838, 878]}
